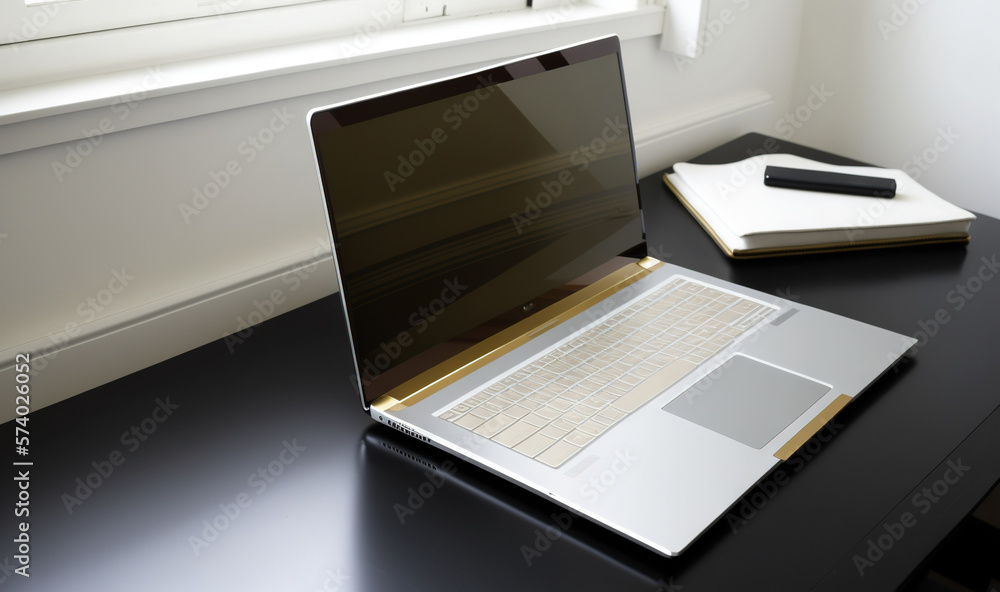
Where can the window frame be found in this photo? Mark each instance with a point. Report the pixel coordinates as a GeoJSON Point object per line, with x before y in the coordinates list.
{"type": "Point", "coordinates": [33, 20]}
{"type": "Point", "coordinates": [55, 90]}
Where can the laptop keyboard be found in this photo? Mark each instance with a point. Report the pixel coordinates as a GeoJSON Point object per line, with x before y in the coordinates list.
{"type": "Point", "coordinates": [563, 400]}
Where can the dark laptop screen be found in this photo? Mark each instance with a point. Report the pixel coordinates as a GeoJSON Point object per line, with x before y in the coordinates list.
{"type": "Point", "coordinates": [460, 207]}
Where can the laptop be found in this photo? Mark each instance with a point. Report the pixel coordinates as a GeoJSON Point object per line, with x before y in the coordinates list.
{"type": "Point", "coordinates": [501, 303]}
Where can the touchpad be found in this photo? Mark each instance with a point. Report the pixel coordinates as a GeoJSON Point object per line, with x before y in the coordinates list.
{"type": "Point", "coordinates": [746, 400]}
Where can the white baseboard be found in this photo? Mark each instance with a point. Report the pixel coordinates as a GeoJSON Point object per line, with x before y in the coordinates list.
{"type": "Point", "coordinates": [134, 339]}
{"type": "Point", "coordinates": [660, 145]}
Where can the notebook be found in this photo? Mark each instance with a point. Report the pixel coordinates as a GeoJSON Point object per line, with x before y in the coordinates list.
{"type": "Point", "coordinates": [747, 218]}
{"type": "Point", "coordinates": [500, 303]}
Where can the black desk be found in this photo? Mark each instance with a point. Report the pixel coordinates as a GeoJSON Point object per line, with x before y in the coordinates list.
{"type": "Point", "coordinates": [325, 509]}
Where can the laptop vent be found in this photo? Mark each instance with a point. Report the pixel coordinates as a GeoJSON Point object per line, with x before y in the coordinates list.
{"type": "Point", "coordinates": [407, 430]}
{"type": "Point", "coordinates": [409, 456]}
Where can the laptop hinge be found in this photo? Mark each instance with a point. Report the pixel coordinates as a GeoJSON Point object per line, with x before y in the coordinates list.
{"type": "Point", "coordinates": [384, 403]}
{"type": "Point", "coordinates": [649, 263]}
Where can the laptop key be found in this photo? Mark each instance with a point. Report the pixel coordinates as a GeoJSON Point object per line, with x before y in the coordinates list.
{"type": "Point", "coordinates": [553, 431]}
{"type": "Point", "coordinates": [579, 438]}
{"type": "Point", "coordinates": [491, 407]}
{"type": "Point", "coordinates": [557, 454]}
{"type": "Point", "coordinates": [535, 419]}
{"type": "Point", "coordinates": [560, 404]}
{"type": "Point", "coordinates": [469, 421]}
{"type": "Point", "coordinates": [517, 411]}
{"type": "Point", "coordinates": [592, 427]}
{"type": "Point", "coordinates": [513, 434]}
{"type": "Point", "coordinates": [494, 425]}
{"type": "Point", "coordinates": [602, 420]}
{"type": "Point", "coordinates": [534, 444]}
{"type": "Point", "coordinates": [612, 414]}
{"type": "Point", "coordinates": [563, 425]}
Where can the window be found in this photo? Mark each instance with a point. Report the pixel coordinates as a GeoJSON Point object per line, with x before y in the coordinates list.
{"type": "Point", "coordinates": [28, 20]}
{"type": "Point", "coordinates": [47, 72]}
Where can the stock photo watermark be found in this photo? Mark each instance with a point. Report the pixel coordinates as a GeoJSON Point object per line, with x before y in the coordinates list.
{"type": "Point", "coordinates": [668, 586]}
{"type": "Point", "coordinates": [22, 477]}
{"type": "Point", "coordinates": [608, 306]}
{"type": "Point", "coordinates": [87, 311]}
{"type": "Point", "coordinates": [560, 13]}
{"type": "Point", "coordinates": [895, 529]}
{"type": "Point", "coordinates": [705, 384]}
{"type": "Point", "coordinates": [333, 581]}
{"type": "Point", "coordinates": [899, 16]}
{"type": "Point", "coordinates": [915, 166]}
{"type": "Point", "coordinates": [132, 438]}
{"type": "Point", "coordinates": [219, 180]}
{"type": "Point", "coordinates": [868, 217]}
{"type": "Point", "coordinates": [750, 169]}
{"type": "Point", "coordinates": [7, 570]}
{"type": "Point", "coordinates": [795, 119]}
{"type": "Point", "coordinates": [958, 298]}
{"type": "Point", "coordinates": [230, 511]}
{"type": "Point", "coordinates": [456, 115]}
{"type": "Point", "coordinates": [261, 310]}
{"type": "Point", "coordinates": [766, 490]}
{"type": "Point", "coordinates": [919, 163]}
{"type": "Point", "coordinates": [383, 356]}
{"type": "Point", "coordinates": [222, 7]}
{"type": "Point", "coordinates": [714, 29]}
{"type": "Point", "coordinates": [544, 537]}
{"type": "Point", "coordinates": [32, 27]}
{"type": "Point", "coordinates": [122, 107]}
{"type": "Point", "coordinates": [378, 21]}
{"type": "Point", "coordinates": [580, 158]}
{"type": "Point", "coordinates": [418, 496]}
{"type": "Point", "coordinates": [612, 471]}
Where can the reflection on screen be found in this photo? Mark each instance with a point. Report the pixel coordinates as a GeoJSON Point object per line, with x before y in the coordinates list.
{"type": "Point", "coordinates": [457, 216]}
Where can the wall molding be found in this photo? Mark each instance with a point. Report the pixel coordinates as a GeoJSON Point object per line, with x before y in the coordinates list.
{"type": "Point", "coordinates": [685, 135]}
{"type": "Point", "coordinates": [131, 340]}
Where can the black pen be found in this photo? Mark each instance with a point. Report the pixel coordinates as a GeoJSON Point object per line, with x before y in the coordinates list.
{"type": "Point", "coordinates": [810, 180]}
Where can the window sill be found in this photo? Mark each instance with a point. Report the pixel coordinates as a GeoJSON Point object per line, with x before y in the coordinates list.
{"type": "Point", "coordinates": [37, 85]}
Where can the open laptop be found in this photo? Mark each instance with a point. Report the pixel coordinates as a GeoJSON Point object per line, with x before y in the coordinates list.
{"type": "Point", "coordinates": [489, 247]}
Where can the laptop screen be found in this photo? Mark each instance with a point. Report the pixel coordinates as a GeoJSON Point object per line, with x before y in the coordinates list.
{"type": "Point", "coordinates": [459, 207]}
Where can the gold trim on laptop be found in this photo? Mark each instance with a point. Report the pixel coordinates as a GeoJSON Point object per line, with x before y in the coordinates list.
{"type": "Point", "coordinates": [810, 429]}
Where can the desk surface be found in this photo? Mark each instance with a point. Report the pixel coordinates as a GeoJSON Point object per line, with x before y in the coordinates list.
{"type": "Point", "coordinates": [258, 448]}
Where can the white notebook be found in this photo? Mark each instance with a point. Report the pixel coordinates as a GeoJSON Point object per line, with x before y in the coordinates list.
{"type": "Point", "coordinates": [748, 218]}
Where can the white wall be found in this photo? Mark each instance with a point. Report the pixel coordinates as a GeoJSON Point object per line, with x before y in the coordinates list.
{"type": "Point", "coordinates": [915, 86]}
{"type": "Point", "coordinates": [741, 81]}
{"type": "Point", "coordinates": [65, 235]}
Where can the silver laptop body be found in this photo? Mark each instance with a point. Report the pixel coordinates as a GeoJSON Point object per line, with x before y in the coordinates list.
{"type": "Point", "coordinates": [501, 306]}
